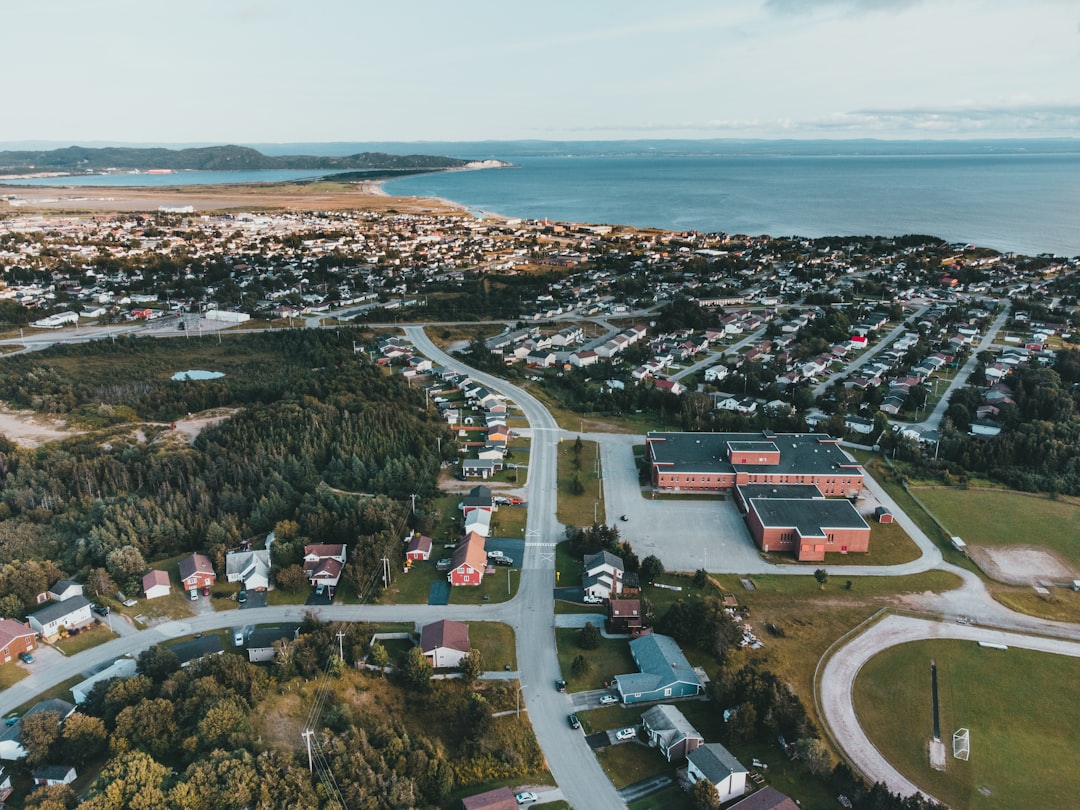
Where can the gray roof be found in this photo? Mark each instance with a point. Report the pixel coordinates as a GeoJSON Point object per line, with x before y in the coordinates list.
{"type": "Point", "coordinates": [661, 662]}
{"type": "Point", "coordinates": [748, 491]}
{"type": "Point", "coordinates": [61, 707]}
{"type": "Point", "coordinates": [603, 558]}
{"type": "Point", "coordinates": [187, 651]}
{"type": "Point", "coordinates": [800, 453]}
{"type": "Point", "coordinates": [58, 610]}
{"type": "Point", "coordinates": [810, 517]}
{"type": "Point", "coordinates": [669, 723]}
{"type": "Point", "coordinates": [266, 636]}
{"type": "Point", "coordinates": [716, 762]}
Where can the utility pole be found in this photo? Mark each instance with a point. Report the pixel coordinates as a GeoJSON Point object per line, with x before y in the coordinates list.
{"type": "Point", "coordinates": [340, 647]}
{"type": "Point", "coordinates": [307, 739]}
{"type": "Point", "coordinates": [386, 572]}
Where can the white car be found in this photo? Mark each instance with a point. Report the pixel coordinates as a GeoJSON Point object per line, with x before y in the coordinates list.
{"type": "Point", "coordinates": [607, 700]}
{"type": "Point", "coordinates": [624, 734]}
{"type": "Point", "coordinates": [528, 797]}
{"type": "Point", "coordinates": [589, 599]}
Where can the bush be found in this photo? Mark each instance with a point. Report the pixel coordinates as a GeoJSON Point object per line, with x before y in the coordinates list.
{"type": "Point", "coordinates": [589, 637]}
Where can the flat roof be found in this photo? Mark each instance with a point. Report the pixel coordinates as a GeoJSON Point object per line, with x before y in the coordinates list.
{"type": "Point", "coordinates": [803, 491]}
{"type": "Point", "coordinates": [800, 453]}
{"type": "Point", "coordinates": [753, 447]}
{"type": "Point", "coordinates": [810, 517]}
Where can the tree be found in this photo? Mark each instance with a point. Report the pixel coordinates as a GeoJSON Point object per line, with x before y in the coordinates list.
{"type": "Point", "coordinates": [292, 578]}
{"type": "Point", "coordinates": [157, 662]}
{"type": "Point", "coordinates": [472, 665]}
{"type": "Point", "coordinates": [416, 669]}
{"type": "Point", "coordinates": [651, 568]}
{"type": "Point", "coordinates": [579, 666]}
{"type": "Point", "coordinates": [701, 578]}
{"type": "Point", "coordinates": [84, 737]}
{"type": "Point", "coordinates": [52, 797]}
{"type": "Point", "coordinates": [40, 731]}
{"type": "Point", "coordinates": [704, 795]}
{"type": "Point", "coordinates": [125, 564]}
{"type": "Point", "coordinates": [577, 486]}
{"type": "Point", "coordinates": [813, 753]}
{"type": "Point", "coordinates": [377, 655]}
{"type": "Point", "coordinates": [822, 576]}
{"type": "Point", "coordinates": [132, 780]}
{"type": "Point", "coordinates": [99, 584]}
{"type": "Point", "coordinates": [589, 637]}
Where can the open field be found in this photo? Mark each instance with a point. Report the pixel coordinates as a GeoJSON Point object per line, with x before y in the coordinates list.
{"type": "Point", "coordinates": [1023, 751]}
{"type": "Point", "coordinates": [586, 508]}
{"type": "Point", "coordinates": [611, 658]}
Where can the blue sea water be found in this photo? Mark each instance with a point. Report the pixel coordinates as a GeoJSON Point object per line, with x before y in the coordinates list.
{"type": "Point", "coordinates": [1021, 196]}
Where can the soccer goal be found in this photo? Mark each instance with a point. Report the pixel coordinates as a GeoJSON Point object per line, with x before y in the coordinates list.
{"type": "Point", "coordinates": [961, 744]}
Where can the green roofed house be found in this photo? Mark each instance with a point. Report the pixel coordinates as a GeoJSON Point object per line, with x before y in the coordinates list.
{"type": "Point", "coordinates": [665, 672]}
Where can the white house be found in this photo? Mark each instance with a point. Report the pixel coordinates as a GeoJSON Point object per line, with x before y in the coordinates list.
{"type": "Point", "coordinates": [323, 563]}
{"type": "Point", "coordinates": [714, 763]}
{"type": "Point", "coordinates": [156, 584]}
{"type": "Point", "coordinates": [120, 668]}
{"type": "Point", "coordinates": [51, 619]}
{"type": "Point", "coordinates": [445, 642]}
{"type": "Point", "coordinates": [251, 568]}
{"type": "Point", "coordinates": [603, 576]}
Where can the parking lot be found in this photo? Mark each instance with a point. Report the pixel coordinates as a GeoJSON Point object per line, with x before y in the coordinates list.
{"type": "Point", "coordinates": [685, 533]}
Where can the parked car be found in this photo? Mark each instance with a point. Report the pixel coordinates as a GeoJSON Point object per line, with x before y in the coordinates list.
{"type": "Point", "coordinates": [560, 685]}
{"type": "Point", "coordinates": [194, 595]}
{"type": "Point", "coordinates": [444, 564]}
{"type": "Point", "coordinates": [495, 555]}
{"type": "Point", "coordinates": [504, 560]}
{"type": "Point", "coordinates": [26, 657]}
{"type": "Point", "coordinates": [624, 734]}
{"type": "Point", "coordinates": [528, 797]}
{"type": "Point", "coordinates": [100, 610]}
{"type": "Point", "coordinates": [241, 597]}
{"type": "Point", "coordinates": [206, 590]}
{"type": "Point", "coordinates": [593, 600]}
{"type": "Point", "coordinates": [10, 721]}
{"type": "Point", "coordinates": [574, 722]}
{"type": "Point", "coordinates": [607, 700]}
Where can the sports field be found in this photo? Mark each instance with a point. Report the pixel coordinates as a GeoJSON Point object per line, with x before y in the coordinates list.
{"type": "Point", "coordinates": [1018, 705]}
{"type": "Point", "coordinates": [991, 517]}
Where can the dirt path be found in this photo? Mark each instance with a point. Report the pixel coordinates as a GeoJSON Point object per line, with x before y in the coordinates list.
{"type": "Point", "coordinates": [30, 429]}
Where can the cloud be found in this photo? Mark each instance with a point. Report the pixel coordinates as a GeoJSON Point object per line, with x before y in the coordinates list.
{"type": "Point", "coordinates": [857, 6]}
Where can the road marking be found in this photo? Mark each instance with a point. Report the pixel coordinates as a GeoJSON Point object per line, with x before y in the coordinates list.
{"type": "Point", "coordinates": [539, 545]}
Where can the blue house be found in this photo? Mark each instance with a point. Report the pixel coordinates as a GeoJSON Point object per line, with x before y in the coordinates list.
{"type": "Point", "coordinates": [665, 672]}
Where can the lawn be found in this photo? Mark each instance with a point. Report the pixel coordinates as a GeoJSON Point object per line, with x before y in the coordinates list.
{"type": "Point", "coordinates": [495, 642]}
{"type": "Point", "coordinates": [611, 658]}
{"type": "Point", "coordinates": [631, 762]}
{"type": "Point", "coordinates": [586, 507]}
{"type": "Point", "coordinates": [1015, 703]}
{"type": "Point", "coordinates": [1002, 517]}
{"type": "Point", "coordinates": [568, 568]}
{"type": "Point", "coordinates": [85, 639]}
{"type": "Point", "coordinates": [11, 673]}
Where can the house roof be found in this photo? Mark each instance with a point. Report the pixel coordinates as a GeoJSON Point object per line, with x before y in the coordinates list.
{"type": "Point", "coordinates": [478, 496]}
{"type": "Point", "coordinates": [419, 542]}
{"type": "Point", "coordinates": [471, 552]}
{"type": "Point", "coordinates": [55, 773]}
{"type": "Point", "coordinates": [153, 578]}
{"type": "Point", "coordinates": [10, 630]}
{"type": "Point", "coordinates": [266, 636]}
{"type": "Point", "coordinates": [498, 799]}
{"type": "Point", "coordinates": [619, 608]}
{"type": "Point", "coordinates": [195, 564]}
{"type": "Point", "coordinates": [187, 651]}
{"type": "Point", "coordinates": [603, 558]}
{"type": "Point", "coordinates": [323, 568]}
{"type": "Point", "coordinates": [247, 564]}
{"type": "Point", "coordinates": [669, 723]}
{"type": "Point", "coordinates": [748, 491]}
{"type": "Point", "coordinates": [661, 662]}
{"type": "Point", "coordinates": [325, 550]}
{"type": "Point", "coordinates": [58, 610]}
{"type": "Point", "coordinates": [716, 762]}
{"type": "Point", "coordinates": [445, 633]}
{"type": "Point", "coordinates": [64, 585]}
{"type": "Point", "coordinates": [61, 707]}
{"type": "Point", "coordinates": [768, 798]}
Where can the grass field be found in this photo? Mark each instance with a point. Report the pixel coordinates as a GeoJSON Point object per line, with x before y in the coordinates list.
{"type": "Point", "coordinates": [889, 545]}
{"type": "Point", "coordinates": [1017, 705]}
{"type": "Point", "coordinates": [495, 642]}
{"type": "Point", "coordinates": [1003, 517]}
{"type": "Point", "coordinates": [611, 658]}
{"type": "Point", "coordinates": [586, 508]}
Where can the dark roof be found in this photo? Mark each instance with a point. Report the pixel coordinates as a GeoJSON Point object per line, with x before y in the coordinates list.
{"type": "Point", "coordinates": [768, 798]}
{"type": "Point", "coordinates": [603, 558]}
{"type": "Point", "coordinates": [478, 496]}
{"type": "Point", "coordinates": [810, 517]}
{"type": "Point", "coordinates": [445, 633]}
{"type": "Point", "coordinates": [266, 636]}
{"type": "Point", "coordinates": [57, 610]}
{"type": "Point", "coordinates": [497, 799]}
{"type": "Point", "coordinates": [748, 491]}
{"type": "Point", "coordinates": [195, 564]}
{"type": "Point", "coordinates": [188, 651]}
{"type": "Point", "coordinates": [661, 662]}
{"type": "Point", "coordinates": [800, 453]}
{"type": "Point", "coordinates": [715, 761]}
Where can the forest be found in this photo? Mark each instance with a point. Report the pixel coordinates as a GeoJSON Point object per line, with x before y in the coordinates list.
{"type": "Point", "coordinates": [226, 733]}
{"type": "Point", "coordinates": [312, 423]}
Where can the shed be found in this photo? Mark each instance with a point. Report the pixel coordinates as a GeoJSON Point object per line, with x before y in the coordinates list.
{"type": "Point", "coordinates": [883, 515]}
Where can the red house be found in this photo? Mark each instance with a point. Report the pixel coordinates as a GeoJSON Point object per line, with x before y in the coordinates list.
{"type": "Point", "coordinates": [196, 572]}
{"type": "Point", "coordinates": [418, 548]}
{"type": "Point", "coordinates": [14, 639]}
{"type": "Point", "coordinates": [468, 563]}
{"type": "Point", "coordinates": [323, 563]}
{"type": "Point", "coordinates": [808, 527]}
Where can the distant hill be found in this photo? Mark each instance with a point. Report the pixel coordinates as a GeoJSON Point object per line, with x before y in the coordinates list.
{"type": "Point", "coordinates": [79, 160]}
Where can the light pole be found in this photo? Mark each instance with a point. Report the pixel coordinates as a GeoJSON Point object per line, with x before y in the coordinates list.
{"type": "Point", "coordinates": [520, 687]}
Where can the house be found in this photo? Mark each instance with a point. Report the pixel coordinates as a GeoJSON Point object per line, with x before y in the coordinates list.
{"type": "Point", "coordinates": [715, 764]}
{"type": "Point", "coordinates": [468, 562]}
{"type": "Point", "coordinates": [5, 787]}
{"type": "Point", "coordinates": [250, 568]}
{"type": "Point", "coordinates": [603, 575]}
{"type": "Point", "coordinates": [262, 641]}
{"type": "Point", "coordinates": [767, 798]}
{"type": "Point", "coordinates": [196, 572]}
{"type": "Point", "coordinates": [188, 652]}
{"type": "Point", "coordinates": [156, 584]}
{"type": "Point", "coordinates": [625, 617]}
{"type": "Point", "coordinates": [478, 468]}
{"type": "Point", "coordinates": [478, 522]}
{"type": "Point", "coordinates": [417, 548]}
{"type": "Point", "coordinates": [323, 563]}
{"type": "Point", "coordinates": [61, 616]}
{"type": "Point", "coordinates": [664, 672]}
{"type": "Point", "coordinates": [445, 642]}
{"type": "Point", "coordinates": [670, 732]}
{"type": "Point", "coordinates": [54, 775]}
{"type": "Point", "coordinates": [14, 639]}
{"type": "Point", "coordinates": [498, 799]}
{"type": "Point", "coordinates": [479, 497]}
{"type": "Point", "coordinates": [11, 737]}
{"type": "Point", "coordinates": [64, 589]}
{"type": "Point", "coordinates": [120, 668]}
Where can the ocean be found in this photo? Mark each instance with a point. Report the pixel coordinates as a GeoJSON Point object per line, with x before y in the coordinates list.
{"type": "Point", "coordinates": [1010, 195]}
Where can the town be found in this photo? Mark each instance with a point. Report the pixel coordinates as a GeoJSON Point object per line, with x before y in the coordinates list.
{"type": "Point", "coordinates": [637, 438]}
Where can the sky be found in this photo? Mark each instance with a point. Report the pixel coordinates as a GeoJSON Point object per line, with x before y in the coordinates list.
{"type": "Point", "coordinates": [283, 71]}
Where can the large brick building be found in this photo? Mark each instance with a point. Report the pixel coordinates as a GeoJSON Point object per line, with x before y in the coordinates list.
{"type": "Point", "coordinates": [800, 520]}
{"type": "Point", "coordinates": [717, 462]}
